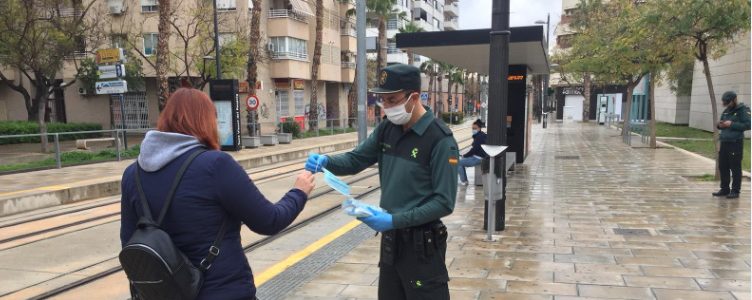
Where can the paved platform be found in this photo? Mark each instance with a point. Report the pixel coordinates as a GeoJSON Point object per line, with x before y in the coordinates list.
{"type": "Point", "coordinates": [587, 217]}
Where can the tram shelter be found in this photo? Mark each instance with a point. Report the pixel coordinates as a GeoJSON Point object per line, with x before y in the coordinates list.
{"type": "Point", "coordinates": [470, 50]}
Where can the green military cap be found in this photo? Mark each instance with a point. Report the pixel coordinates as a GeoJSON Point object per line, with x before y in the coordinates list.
{"type": "Point", "coordinates": [728, 96]}
{"type": "Point", "coordinates": [397, 78]}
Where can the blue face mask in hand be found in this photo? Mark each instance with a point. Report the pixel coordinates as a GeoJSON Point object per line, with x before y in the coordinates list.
{"type": "Point", "coordinates": [379, 221]}
{"type": "Point", "coordinates": [336, 183]}
{"type": "Point", "coordinates": [316, 162]}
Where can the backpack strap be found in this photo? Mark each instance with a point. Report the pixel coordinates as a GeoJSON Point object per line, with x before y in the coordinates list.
{"type": "Point", "coordinates": [206, 263]}
{"type": "Point", "coordinates": [146, 210]}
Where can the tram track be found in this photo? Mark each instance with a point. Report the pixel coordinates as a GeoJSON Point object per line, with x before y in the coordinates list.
{"type": "Point", "coordinates": [247, 248]}
{"type": "Point", "coordinates": [273, 174]}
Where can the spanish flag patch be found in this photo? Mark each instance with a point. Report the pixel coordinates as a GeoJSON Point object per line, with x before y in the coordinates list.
{"type": "Point", "coordinates": [453, 161]}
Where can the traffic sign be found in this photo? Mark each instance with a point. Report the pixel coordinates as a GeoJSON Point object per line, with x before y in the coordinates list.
{"type": "Point", "coordinates": [111, 87]}
{"type": "Point", "coordinates": [113, 71]}
{"type": "Point", "coordinates": [112, 55]}
{"type": "Point", "coordinates": [252, 102]}
{"type": "Point", "coordinates": [424, 96]}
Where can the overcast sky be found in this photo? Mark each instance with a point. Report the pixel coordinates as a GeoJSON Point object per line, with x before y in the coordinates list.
{"type": "Point", "coordinates": [476, 14]}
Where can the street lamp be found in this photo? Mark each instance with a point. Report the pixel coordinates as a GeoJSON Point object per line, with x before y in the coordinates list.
{"type": "Point", "coordinates": [216, 41]}
{"type": "Point", "coordinates": [544, 95]}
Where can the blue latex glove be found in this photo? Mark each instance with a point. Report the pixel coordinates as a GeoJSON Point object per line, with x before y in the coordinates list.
{"type": "Point", "coordinates": [380, 221]}
{"type": "Point", "coordinates": [316, 162]}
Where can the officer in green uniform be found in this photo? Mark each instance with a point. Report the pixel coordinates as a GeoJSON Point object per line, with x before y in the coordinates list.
{"type": "Point", "coordinates": [734, 121]}
{"type": "Point", "coordinates": [417, 157]}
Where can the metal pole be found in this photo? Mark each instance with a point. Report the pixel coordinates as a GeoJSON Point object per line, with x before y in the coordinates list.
{"type": "Point", "coordinates": [122, 120]}
{"type": "Point", "coordinates": [498, 71]}
{"type": "Point", "coordinates": [360, 12]}
{"type": "Point", "coordinates": [117, 144]}
{"type": "Point", "coordinates": [216, 41]}
{"type": "Point", "coordinates": [491, 202]}
{"type": "Point", "coordinates": [58, 160]}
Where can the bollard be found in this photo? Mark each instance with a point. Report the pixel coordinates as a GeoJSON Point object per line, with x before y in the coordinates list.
{"type": "Point", "coordinates": [117, 144]}
{"type": "Point", "coordinates": [491, 203]}
{"type": "Point", "coordinates": [58, 159]}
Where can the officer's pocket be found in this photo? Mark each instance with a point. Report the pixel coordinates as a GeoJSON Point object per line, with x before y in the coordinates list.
{"type": "Point", "coordinates": [430, 283]}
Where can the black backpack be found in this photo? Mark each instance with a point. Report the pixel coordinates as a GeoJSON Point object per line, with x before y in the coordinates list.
{"type": "Point", "coordinates": [155, 267]}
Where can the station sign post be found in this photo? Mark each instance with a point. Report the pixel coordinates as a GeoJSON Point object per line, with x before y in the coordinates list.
{"type": "Point", "coordinates": [224, 94]}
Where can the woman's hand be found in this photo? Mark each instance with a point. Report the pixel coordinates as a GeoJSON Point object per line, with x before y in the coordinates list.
{"type": "Point", "coordinates": [304, 182]}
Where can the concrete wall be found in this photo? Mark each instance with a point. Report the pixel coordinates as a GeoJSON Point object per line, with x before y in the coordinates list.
{"type": "Point", "coordinates": [669, 107]}
{"type": "Point", "coordinates": [730, 72]}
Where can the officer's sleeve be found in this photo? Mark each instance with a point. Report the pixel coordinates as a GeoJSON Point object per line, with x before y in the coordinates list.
{"type": "Point", "coordinates": [444, 160]}
{"type": "Point", "coordinates": [743, 124]}
{"type": "Point", "coordinates": [363, 156]}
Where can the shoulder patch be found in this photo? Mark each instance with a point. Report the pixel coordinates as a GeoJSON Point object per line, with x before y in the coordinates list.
{"type": "Point", "coordinates": [443, 127]}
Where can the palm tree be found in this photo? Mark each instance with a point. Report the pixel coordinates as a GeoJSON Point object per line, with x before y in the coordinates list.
{"type": "Point", "coordinates": [458, 78]}
{"type": "Point", "coordinates": [429, 68]}
{"type": "Point", "coordinates": [313, 115]}
{"type": "Point", "coordinates": [410, 27]}
{"type": "Point", "coordinates": [253, 60]}
{"type": "Point", "coordinates": [443, 70]}
{"type": "Point", "coordinates": [163, 52]}
{"type": "Point", "coordinates": [381, 10]}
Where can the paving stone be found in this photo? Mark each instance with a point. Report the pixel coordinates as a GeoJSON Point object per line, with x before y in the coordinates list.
{"type": "Point", "coordinates": [600, 268]}
{"type": "Point", "coordinates": [648, 261]}
{"type": "Point", "coordinates": [589, 278]}
{"type": "Point", "coordinates": [721, 285]}
{"type": "Point", "coordinates": [528, 287]}
{"type": "Point", "coordinates": [662, 294]}
{"type": "Point", "coordinates": [677, 272]}
{"type": "Point", "coordinates": [360, 291]}
{"type": "Point", "coordinates": [320, 289]}
{"type": "Point", "coordinates": [730, 274]}
{"type": "Point", "coordinates": [473, 284]}
{"type": "Point", "coordinates": [512, 296]}
{"type": "Point", "coordinates": [678, 283]}
{"type": "Point", "coordinates": [463, 295]}
{"type": "Point", "coordinates": [584, 258]}
{"type": "Point", "coordinates": [613, 292]}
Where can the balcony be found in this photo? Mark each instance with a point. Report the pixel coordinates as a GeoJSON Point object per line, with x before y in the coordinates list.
{"type": "Point", "coordinates": [423, 5]}
{"type": "Point", "coordinates": [291, 69]}
{"type": "Point", "coordinates": [451, 10]}
{"type": "Point", "coordinates": [451, 24]}
{"type": "Point", "coordinates": [348, 43]}
{"type": "Point", "coordinates": [348, 71]}
{"type": "Point", "coordinates": [283, 22]}
{"type": "Point", "coordinates": [288, 13]}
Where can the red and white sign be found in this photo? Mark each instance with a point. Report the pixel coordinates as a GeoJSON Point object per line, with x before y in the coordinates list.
{"type": "Point", "coordinates": [252, 102]}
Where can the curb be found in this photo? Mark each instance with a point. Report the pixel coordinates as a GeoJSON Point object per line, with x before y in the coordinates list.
{"type": "Point", "coordinates": [110, 186]}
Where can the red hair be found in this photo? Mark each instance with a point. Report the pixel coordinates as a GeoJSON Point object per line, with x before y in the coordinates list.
{"type": "Point", "coordinates": [190, 111]}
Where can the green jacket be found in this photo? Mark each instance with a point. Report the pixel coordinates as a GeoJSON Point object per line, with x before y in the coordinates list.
{"type": "Point", "coordinates": [739, 116]}
{"type": "Point", "coordinates": [417, 169]}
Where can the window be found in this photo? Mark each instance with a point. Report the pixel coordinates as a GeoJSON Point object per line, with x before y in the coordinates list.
{"type": "Point", "coordinates": [118, 41]}
{"type": "Point", "coordinates": [225, 4]}
{"type": "Point", "coordinates": [436, 23]}
{"type": "Point", "coordinates": [284, 47]}
{"type": "Point", "coordinates": [392, 23]}
{"type": "Point", "coordinates": [150, 44]}
{"type": "Point", "coordinates": [283, 103]}
{"type": "Point", "coordinates": [149, 6]}
{"type": "Point", "coordinates": [299, 102]}
{"type": "Point", "coordinates": [226, 37]}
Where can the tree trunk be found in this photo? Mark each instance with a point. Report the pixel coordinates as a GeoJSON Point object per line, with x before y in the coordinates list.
{"type": "Point", "coordinates": [410, 59]}
{"type": "Point", "coordinates": [625, 130]}
{"type": "Point", "coordinates": [352, 99]}
{"type": "Point", "coordinates": [163, 58]}
{"type": "Point", "coordinates": [714, 107]}
{"type": "Point", "coordinates": [40, 99]}
{"type": "Point", "coordinates": [586, 102]}
{"type": "Point", "coordinates": [381, 56]}
{"type": "Point", "coordinates": [449, 94]}
{"type": "Point", "coordinates": [432, 100]}
{"type": "Point", "coordinates": [653, 142]}
{"type": "Point", "coordinates": [313, 114]}
{"type": "Point", "coordinates": [253, 60]}
{"type": "Point", "coordinates": [440, 98]}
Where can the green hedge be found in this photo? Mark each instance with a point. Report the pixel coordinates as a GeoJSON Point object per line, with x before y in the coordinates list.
{"type": "Point", "coordinates": [289, 126]}
{"type": "Point", "coordinates": [457, 118]}
{"type": "Point", "coordinates": [26, 127]}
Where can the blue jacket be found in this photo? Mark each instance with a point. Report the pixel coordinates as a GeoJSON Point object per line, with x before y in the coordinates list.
{"type": "Point", "coordinates": [213, 188]}
{"type": "Point", "coordinates": [478, 139]}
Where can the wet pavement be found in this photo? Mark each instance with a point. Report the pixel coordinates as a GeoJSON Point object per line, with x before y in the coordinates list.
{"type": "Point", "coordinates": [587, 217]}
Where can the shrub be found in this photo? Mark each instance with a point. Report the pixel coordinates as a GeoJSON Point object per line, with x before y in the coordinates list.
{"type": "Point", "coordinates": [289, 126]}
{"type": "Point", "coordinates": [457, 118]}
{"type": "Point", "coordinates": [26, 127]}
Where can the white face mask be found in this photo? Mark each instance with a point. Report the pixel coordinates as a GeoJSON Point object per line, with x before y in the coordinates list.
{"type": "Point", "coordinates": [398, 114]}
{"type": "Point", "coordinates": [475, 131]}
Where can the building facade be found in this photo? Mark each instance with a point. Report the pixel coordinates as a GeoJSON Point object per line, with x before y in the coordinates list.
{"type": "Point", "coordinates": [284, 83]}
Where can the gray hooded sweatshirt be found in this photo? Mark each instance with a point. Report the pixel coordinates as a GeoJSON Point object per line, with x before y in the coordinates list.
{"type": "Point", "coordinates": [160, 148]}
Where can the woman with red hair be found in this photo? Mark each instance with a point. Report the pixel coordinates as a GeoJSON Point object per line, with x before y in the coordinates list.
{"type": "Point", "coordinates": [214, 189]}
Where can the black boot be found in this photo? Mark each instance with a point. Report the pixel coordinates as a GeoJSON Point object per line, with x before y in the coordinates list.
{"type": "Point", "coordinates": [721, 193]}
{"type": "Point", "coordinates": [733, 195]}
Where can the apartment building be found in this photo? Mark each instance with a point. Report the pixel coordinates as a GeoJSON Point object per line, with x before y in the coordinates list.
{"type": "Point", "coordinates": [284, 85]}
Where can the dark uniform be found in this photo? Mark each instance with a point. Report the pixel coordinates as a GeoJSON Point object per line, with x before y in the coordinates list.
{"type": "Point", "coordinates": [418, 174]}
{"type": "Point", "coordinates": [732, 147]}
